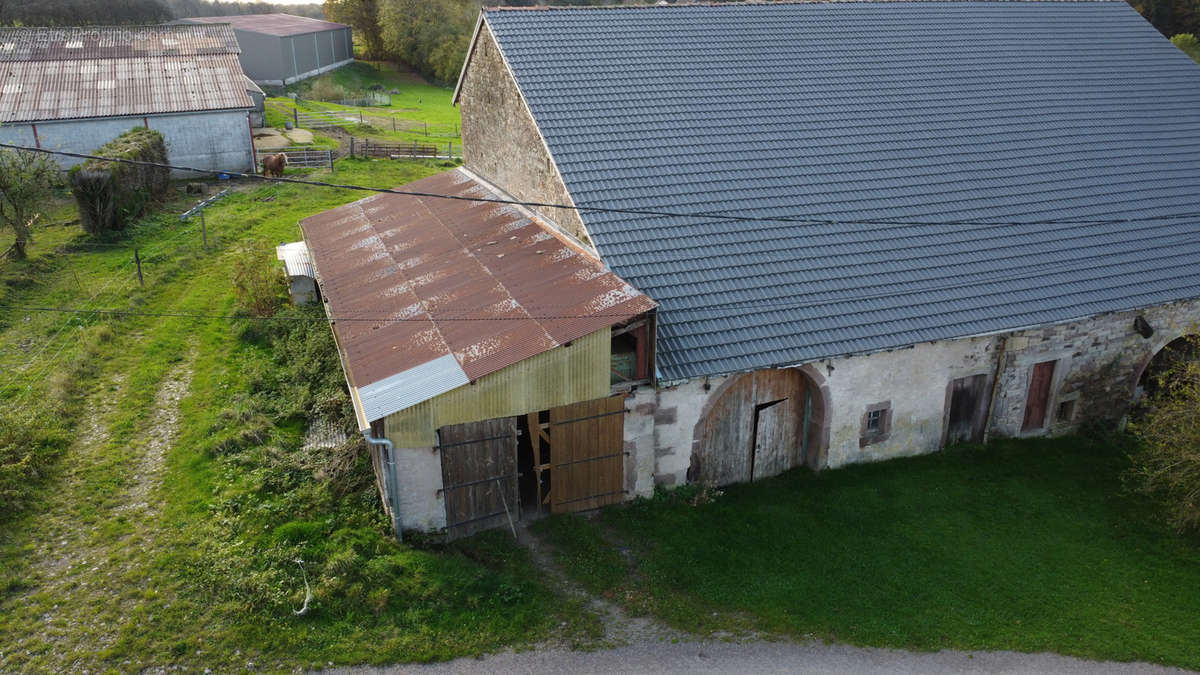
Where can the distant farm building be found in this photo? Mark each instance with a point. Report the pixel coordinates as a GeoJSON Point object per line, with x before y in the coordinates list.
{"type": "Point", "coordinates": [75, 89]}
{"type": "Point", "coordinates": [279, 49]}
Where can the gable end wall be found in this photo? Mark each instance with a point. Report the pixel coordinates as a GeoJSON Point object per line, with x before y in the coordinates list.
{"type": "Point", "coordinates": [501, 142]}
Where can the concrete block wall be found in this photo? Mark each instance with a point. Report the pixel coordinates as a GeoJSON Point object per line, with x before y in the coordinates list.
{"type": "Point", "coordinates": [419, 479]}
{"type": "Point", "coordinates": [213, 141]}
{"type": "Point", "coordinates": [501, 142]}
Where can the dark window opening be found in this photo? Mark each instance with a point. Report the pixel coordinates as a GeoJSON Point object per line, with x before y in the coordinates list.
{"type": "Point", "coordinates": [1066, 411]}
{"type": "Point", "coordinates": [632, 353]}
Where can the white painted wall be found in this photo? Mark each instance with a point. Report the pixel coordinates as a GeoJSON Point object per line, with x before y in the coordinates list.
{"type": "Point", "coordinates": [418, 480]}
{"type": "Point", "coordinates": [213, 141]}
{"type": "Point", "coordinates": [915, 380]}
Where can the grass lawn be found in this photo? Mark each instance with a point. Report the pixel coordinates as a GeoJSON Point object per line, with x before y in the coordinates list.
{"type": "Point", "coordinates": [109, 561]}
{"type": "Point", "coordinates": [1023, 545]}
{"type": "Point", "coordinates": [420, 112]}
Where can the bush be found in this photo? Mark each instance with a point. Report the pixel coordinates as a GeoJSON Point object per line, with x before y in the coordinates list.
{"type": "Point", "coordinates": [325, 89]}
{"type": "Point", "coordinates": [1167, 461]}
{"type": "Point", "coordinates": [259, 284]}
{"type": "Point", "coordinates": [111, 194]}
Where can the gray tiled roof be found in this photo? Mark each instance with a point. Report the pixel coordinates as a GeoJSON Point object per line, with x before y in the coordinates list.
{"type": "Point", "coordinates": [1005, 142]}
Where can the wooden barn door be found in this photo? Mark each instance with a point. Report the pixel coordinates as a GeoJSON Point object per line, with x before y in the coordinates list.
{"type": "Point", "coordinates": [1039, 396]}
{"type": "Point", "coordinates": [588, 454]}
{"type": "Point", "coordinates": [479, 475]}
{"type": "Point", "coordinates": [756, 429]}
{"type": "Point", "coordinates": [778, 417]}
{"type": "Point", "coordinates": [968, 410]}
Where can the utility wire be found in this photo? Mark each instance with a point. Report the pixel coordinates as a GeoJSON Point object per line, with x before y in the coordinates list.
{"type": "Point", "coordinates": [602, 209]}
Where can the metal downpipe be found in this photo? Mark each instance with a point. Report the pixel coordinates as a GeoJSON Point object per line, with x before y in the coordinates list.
{"type": "Point", "coordinates": [388, 451]}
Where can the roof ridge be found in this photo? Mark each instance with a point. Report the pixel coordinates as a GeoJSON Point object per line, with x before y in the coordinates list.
{"type": "Point", "coordinates": [765, 3]}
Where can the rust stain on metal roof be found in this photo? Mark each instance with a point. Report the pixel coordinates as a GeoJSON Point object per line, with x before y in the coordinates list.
{"type": "Point", "coordinates": [478, 281]}
{"type": "Point", "coordinates": [113, 71]}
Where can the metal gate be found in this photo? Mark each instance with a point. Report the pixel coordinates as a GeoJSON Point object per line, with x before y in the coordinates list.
{"type": "Point", "coordinates": [479, 475]}
{"type": "Point", "coordinates": [588, 454]}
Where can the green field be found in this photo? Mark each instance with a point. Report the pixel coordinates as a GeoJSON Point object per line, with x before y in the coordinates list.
{"type": "Point", "coordinates": [112, 559]}
{"type": "Point", "coordinates": [1029, 546]}
{"type": "Point", "coordinates": [420, 111]}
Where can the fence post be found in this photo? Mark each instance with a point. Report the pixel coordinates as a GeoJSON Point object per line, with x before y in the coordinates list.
{"type": "Point", "coordinates": [360, 119]}
{"type": "Point", "coordinates": [329, 156]}
{"type": "Point", "coordinates": [137, 258]}
{"type": "Point", "coordinates": [393, 124]}
{"type": "Point", "coordinates": [351, 147]}
{"type": "Point", "coordinates": [296, 117]}
{"type": "Point", "coordinates": [414, 152]}
{"type": "Point", "coordinates": [203, 230]}
{"type": "Point", "coordinates": [450, 150]}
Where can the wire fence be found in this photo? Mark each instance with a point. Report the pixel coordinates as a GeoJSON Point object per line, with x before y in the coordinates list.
{"type": "Point", "coordinates": [366, 147]}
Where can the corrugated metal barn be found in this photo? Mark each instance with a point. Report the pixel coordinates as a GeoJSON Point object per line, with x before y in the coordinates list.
{"type": "Point", "coordinates": [279, 49]}
{"type": "Point", "coordinates": [76, 89]}
{"type": "Point", "coordinates": [480, 344]}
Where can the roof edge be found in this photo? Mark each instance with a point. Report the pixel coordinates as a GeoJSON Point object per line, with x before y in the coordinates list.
{"type": "Point", "coordinates": [462, 73]}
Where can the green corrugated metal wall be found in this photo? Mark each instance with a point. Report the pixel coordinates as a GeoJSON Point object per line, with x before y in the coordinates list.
{"type": "Point", "coordinates": [560, 376]}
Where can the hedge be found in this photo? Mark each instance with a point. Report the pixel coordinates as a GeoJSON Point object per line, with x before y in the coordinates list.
{"type": "Point", "coordinates": [111, 194]}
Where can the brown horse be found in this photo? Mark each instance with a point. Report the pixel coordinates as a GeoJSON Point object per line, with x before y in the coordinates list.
{"type": "Point", "coordinates": [273, 165]}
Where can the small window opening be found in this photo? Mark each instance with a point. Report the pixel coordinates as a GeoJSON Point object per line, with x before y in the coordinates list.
{"type": "Point", "coordinates": [874, 421]}
{"type": "Point", "coordinates": [1066, 411]}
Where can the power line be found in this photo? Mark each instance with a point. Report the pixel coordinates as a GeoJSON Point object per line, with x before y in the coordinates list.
{"type": "Point", "coordinates": [603, 209]}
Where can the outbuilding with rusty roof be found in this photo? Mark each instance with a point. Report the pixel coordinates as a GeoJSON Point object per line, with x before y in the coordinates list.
{"type": "Point", "coordinates": [482, 348]}
{"type": "Point", "coordinates": [76, 89]}
{"type": "Point", "coordinates": [280, 49]}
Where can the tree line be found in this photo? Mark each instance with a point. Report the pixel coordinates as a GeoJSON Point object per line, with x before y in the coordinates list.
{"type": "Point", "coordinates": [133, 12]}
{"type": "Point", "coordinates": [432, 36]}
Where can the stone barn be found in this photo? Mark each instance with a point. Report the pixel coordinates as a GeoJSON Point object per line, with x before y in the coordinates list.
{"type": "Point", "coordinates": [280, 49]}
{"type": "Point", "coordinates": [76, 89]}
{"type": "Point", "coordinates": [977, 221]}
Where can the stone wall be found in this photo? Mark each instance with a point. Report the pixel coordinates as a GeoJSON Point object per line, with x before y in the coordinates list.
{"type": "Point", "coordinates": [501, 142]}
{"type": "Point", "coordinates": [1099, 362]}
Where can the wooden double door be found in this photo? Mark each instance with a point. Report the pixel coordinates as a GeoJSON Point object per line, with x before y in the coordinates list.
{"type": "Point", "coordinates": [578, 456]}
{"type": "Point", "coordinates": [757, 428]}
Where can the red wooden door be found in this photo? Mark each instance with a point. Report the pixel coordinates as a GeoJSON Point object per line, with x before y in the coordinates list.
{"type": "Point", "coordinates": [1039, 396]}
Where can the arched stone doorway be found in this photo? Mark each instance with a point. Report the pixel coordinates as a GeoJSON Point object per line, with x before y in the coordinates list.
{"type": "Point", "coordinates": [1185, 348]}
{"type": "Point", "coordinates": [760, 424]}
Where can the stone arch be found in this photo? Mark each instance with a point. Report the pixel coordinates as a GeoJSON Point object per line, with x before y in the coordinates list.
{"type": "Point", "coordinates": [761, 423]}
{"type": "Point", "coordinates": [1186, 346]}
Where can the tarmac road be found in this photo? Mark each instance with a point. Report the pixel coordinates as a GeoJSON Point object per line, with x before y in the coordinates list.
{"type": "Point", "coordinates": [654, 656]}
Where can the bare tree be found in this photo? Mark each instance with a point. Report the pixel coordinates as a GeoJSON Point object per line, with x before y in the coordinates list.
{"type": "Point", "coordinates": [26, 180]}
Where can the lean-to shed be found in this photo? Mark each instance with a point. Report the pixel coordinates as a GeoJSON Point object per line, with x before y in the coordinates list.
{"type": "Point", "coordinates": [478, 344]}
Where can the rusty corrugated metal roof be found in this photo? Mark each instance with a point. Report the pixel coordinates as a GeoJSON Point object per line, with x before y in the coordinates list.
{"type": "Point", "coordinates": [412, 280]}
{"type": "Point", "coordinates": [112, 71]}
{"type": "Point", "coordinates": [279, 25]}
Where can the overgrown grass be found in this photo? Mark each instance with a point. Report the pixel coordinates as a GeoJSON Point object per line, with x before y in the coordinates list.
{"type": "Point", "coordinates": [210, 579]}
{"type": "Point", "coordinates": [1029, 546]}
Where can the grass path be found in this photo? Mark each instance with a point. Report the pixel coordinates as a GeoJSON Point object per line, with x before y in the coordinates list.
{"type": "Point", "coordinates": [87, 553]}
